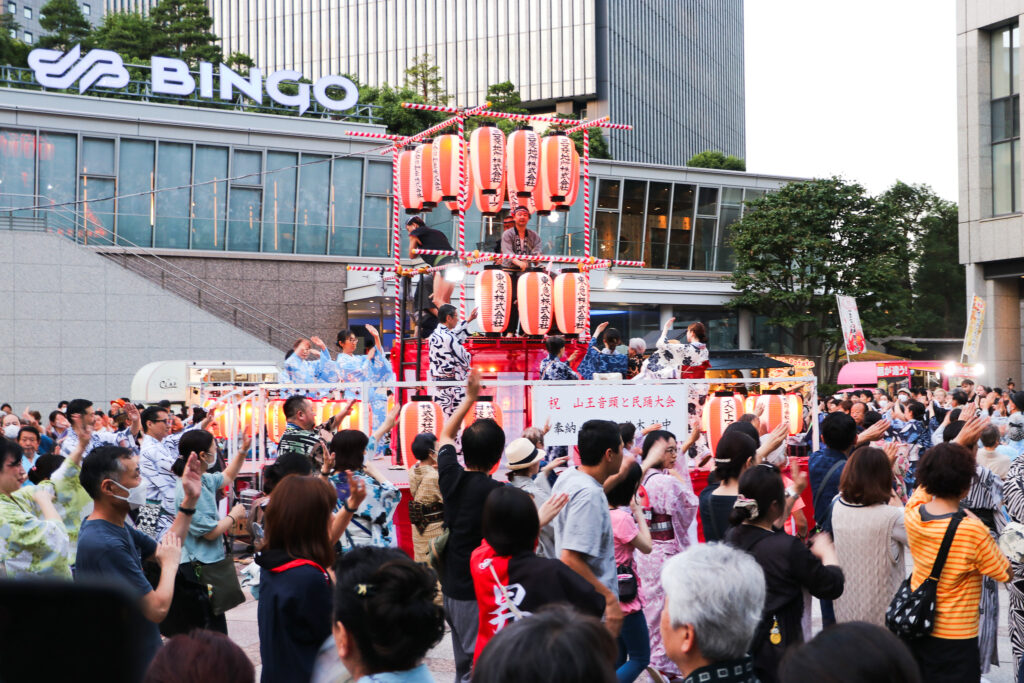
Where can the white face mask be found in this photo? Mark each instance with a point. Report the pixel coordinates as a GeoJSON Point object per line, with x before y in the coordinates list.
{"type": "Point", "coordinates": [904, 398]}
{"type": "Point", "coordinates": [210, 459]}
{"type": "Point", "coordinates": [883, 404]}
{"type": "Point", "coordinates": [11, 431]}
{"type": "Point", "coordinates": [136, 497]}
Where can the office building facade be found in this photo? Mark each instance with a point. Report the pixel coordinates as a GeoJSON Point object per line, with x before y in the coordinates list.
{"type": "Point", "coordinates": [28, 12]}
{"type": "Point", "coordinates": [672, 69]}
{"type": "Point", "coordinates": [991, 240]}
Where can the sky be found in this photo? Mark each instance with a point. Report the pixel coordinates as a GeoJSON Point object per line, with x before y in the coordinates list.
{"type": "Point", "coordinates": [865, 90]}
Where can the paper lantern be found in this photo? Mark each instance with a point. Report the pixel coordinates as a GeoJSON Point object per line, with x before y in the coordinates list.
{"type": "Point", "coordinates": [453, 205]}
{"type": "Point", "coordinates": [276, 422]}
{"type": "Point", "coordinates": [522, 165]}
{"type": "Point", "coordinates": [245, 411]}
{"type": "Point", "coordinates": [325, 410]}
{"type": "Point", "coordinates": [421, 414]}
{"type": "Point", "coordinates": [535, 302]}
{"type": "Point", "coordinates": [574, 188]}
{"type": "Point", "coordinates": [490, 204]}
{"type": "Point", "coordinates": [484, 409]}
{"type": "Point", "coordinates": [493, 299]}
{"type": "Point", "coordinates": [516, 198]}
{"type": "Point", "coordinates": [572, 301]}
{"type": "Point", "coordinates": [778, 408]}
{"type": "Point", "coordinates": [445, 159]}
{"type": "Point", "coordinates": [542, 203]}
{"type": "Point", "coordinates": [425, 161]}
{"type": "Point", "coordinates": [560, 165]}
{"type": "Point", "coordinates": [487, 158]}
{"type": "Point", "coordinates": [410, 181]}
{"type": "Point", "coordinates": [720, 411]}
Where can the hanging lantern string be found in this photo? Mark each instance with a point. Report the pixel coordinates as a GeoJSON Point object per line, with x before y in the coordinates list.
{"type": "Point", "coordinates": [475, 111]}
{"type": "Point", "coordinates": [590, 261]}
{"type": "Point", "coordinates": [603, 122]}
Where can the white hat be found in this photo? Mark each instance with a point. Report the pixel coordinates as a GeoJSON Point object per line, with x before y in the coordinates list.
{"type": "Point", "coordinates": [521, 453]}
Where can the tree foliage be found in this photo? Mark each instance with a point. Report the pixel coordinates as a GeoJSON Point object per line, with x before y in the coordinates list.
{"type": "Point", "coordinates": [130, 34]}
{"type": "Point", "coordinates": [182, 29]}
{"type": "Point", "coordinates": [12, 50]}
{"type": "Point", "coordinates": [424, 77]}
{"type": "Point", "coordinates": [895, 254]}
{"type": "Point", "coordinates": [65, 26]}
{"type": "Point", "coordinates": [399, 121]}
{"type": "Point", "coordinates": [716, 159]}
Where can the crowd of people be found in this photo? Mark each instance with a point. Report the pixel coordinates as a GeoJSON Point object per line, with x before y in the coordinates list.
{"type": "Point", "coordinates": [581, 568]}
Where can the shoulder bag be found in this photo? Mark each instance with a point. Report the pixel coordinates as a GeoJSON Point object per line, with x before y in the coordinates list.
{"type": "Point", "coordinates": [911, 613]}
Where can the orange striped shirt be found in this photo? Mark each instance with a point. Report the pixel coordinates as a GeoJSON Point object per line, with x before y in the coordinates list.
{"type": "Point", "coordinates": [972, 554]}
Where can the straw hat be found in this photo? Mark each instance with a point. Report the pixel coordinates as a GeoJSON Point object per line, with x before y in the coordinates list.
{"type": "Point", "coordinates": [521, 453]}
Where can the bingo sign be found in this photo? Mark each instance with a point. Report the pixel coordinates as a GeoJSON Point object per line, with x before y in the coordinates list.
{"type": "Point", "coordinates": [853, 333]}
{"type": "Point", "coordinates": [566, 408]}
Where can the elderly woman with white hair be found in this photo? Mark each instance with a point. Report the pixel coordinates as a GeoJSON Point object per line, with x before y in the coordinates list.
{"type": "Point", "coordinates": [637, 348]}
{"type": "Point", "coordinates": [714, 595]}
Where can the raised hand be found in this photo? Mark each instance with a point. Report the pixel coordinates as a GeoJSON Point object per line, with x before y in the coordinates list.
{"type": "Point", "coordinates": [373, 332]}
{"type": "Point", "coordinates": [168, 551]}
{"type": "Point", "coordinates": [192, 480]}
{"type": "Point", "coordinates": [328, 463]}
{"type": "Point", "coordinates": [971, 432]}
{"type": "Point", "coordinates": [669, 324]}
{"type": "Point", "coordinates": [318, 341]}
{"type": "Point", "coordinates": [472, 315]}
{"type": "Point", "coordinates": [473, 384]}
{"type": "Point", "coordinates": [551, 507]}
{"type": "Point", "coordinates": [356, 491]}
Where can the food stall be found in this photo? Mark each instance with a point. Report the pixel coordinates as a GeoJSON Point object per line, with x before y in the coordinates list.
{"type": "Point", "coordinates": [892, 375]}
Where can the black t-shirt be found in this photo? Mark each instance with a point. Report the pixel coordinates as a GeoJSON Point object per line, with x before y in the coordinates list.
{"type": "Point", "coordinates": [714, 514]}
{"type": "Point", "coordinates": [464, 493]}
{"type": "Point", "coordinates": [431, 239]}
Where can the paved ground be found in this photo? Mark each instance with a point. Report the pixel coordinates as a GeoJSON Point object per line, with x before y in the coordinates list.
{"type": "Point", "coordinates": [243, 630]}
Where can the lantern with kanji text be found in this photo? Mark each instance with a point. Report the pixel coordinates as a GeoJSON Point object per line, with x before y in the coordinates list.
{"type": "Point", "coordinates": [720, 411]}
{"type": "Point", "coordinates": [425, 160]}
{"type": "Point", "coordinates": [410, 181]}
{"type": "Point", "coordinates": [560, 166]}
{"type": "Point", "coordinates": [493, 299]}
{"type": "Point", "coordinates": [445, 159]}
{"type": "Point", "coordinates": [536, 302]}
{"type": "Point", "coordinates": [487, 158]}
{"type": "Point", "coordinates": [572, 302]}
{"type": "Point", "coordinates": [778, 408]}
{"type": "Point", "coordinates": [421, 414]}
{"type": "Point", "coordinates": [522, 165]}
{"type": "Point", "coordinates": [484, 409]}
{"type": "Point", "coordinates": [490, 204]}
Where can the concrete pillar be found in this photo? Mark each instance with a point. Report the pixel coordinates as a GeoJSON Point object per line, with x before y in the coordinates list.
{"type": "Point", "coordinates": [745, 331]}
{"type": "Point", "coordinates": [666, 313]}
{"type": "Point", "coordinates": [1002, 326]}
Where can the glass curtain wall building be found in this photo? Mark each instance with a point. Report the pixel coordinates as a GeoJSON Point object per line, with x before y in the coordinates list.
{"type": "Point", "coordinates": [196, 195]}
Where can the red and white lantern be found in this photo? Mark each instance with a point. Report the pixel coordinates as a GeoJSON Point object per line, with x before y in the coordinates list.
{"type": "Point", "coordinates": [574, 186]}
{"type": "Point", "coordinates": [445, 160]}
{"type": "Point", "coordinates": [777, 409]}
{"type": "Point", "coordinates": [493, 299]}
{"type": "Point", "coordinates": [276, 421]}
{"type": "Point", "coordinates": [410, 181]}
{"type": "Point", "coordinates": [542, 197]}
{"type": "Point", "coordinates": [484, 409]}
{"type": "Point", "coordinates": [490, 204]}
{"type": "Point", "coordinates": [535, 302]}
{"type": "Point", "coordinates": [487, 158]}
{"type": "Point", "coordinates": [523, 163]}
{"type": "Point", "coordinates": [572, 300]}
{"type": "Point", "coordinates": [421, 414]}
{"type": "Point", "coordinates": [325, 410]}
{"type": "Point", "coordinates": [560, 166]}
{"type": "Point", "coordinates": [425, 161]}
{"type": "Point", "coordinates": [720, 411]}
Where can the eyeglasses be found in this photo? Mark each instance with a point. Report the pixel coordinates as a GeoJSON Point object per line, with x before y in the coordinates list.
{"type": "Point", "coordinates": [169, 420]}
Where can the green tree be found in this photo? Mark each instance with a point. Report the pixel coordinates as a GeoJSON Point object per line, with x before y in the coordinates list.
{"type": "Point", "coordinates": [798, 247]}
{"type": "Point", "coordinates": [12, 50]}
{"type": "Point", "coordinates": [182, 30]}
{"type": "Point", "coordinates": [424, 77]}
{"type": "Point", "coordinates": [241, 62]}
{"type": "Point", "coordinates": [129, 34]}
{"type": "Point", "coordinates": [399, 121]}
{"type": "Point", "coordinates": [65, 26]}
{"type": "Point", "coordinates": [716, 159]}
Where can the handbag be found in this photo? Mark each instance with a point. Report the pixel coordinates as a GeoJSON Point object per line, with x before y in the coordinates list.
{"type": "Point", "coordinates": [435, 553]}
{"type": "Point", "coordinates": [911, 613]}
{"type": "Point", "coordinates": [221, 577]}
{"type": "Point", "coordinates": [628, 584]}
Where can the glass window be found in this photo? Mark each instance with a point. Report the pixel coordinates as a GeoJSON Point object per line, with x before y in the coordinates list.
{"type": "Point", "coordinates": [707, 202]}
{"type": "Point", "coordinates": [573, 241]}
{"type": "Point", "coordinates": [17, 169]}
{"type": "Point", "coordinates": [378, 178]}
{"type": "Point", "coordinates": [246, 168]}
{"type": "Point", "coordinates": [732, 196]}
{"type": "Point", "coordinates": [726, 258]}
{"type": "Point", "coordinates": [97, 219]}
{"type": "Point", "coordinates": [279, 207]}
{"type": "Point", "coordinates": [210, 198]}
{"type": "Point", "coordinates": [346, 201]}
{"type": "Point", "coordinates": [376, 216]}
{"type": "Point", "coordinates": [1002, 64]}
{"type": "Point", "coordinates": [58, 161]}
{"type": "Point", "coordinates": [244, 219]}
{"type": "Point", "coordinates": [659, 204]}
{"type": "Point", "coordinates": [29, 38]}
{"type": "Point", "coordinates": [314, 179]}
{"type": "Point", "coordinates": [28, 12]}
{"type": "Point", "coordinates": [1005, 118]}
{"type": "Point", "coordinates": [1005, 128]}
{"type": "Point", "coordinates": [12, 32]}
{"type": "Point", "coordinates": [704, 244]}
{"type": "Point", "coordinates": [173, 170]}
{"type": "Point", "coordinates": [12, 7]}
{"type": "Point", "coordinates": [681, 231]}
{"type": "Point", "coordinates": [631, 233]}
{"type": "Point", "coordinates": [134, 212]}
{"type": "Point", "coordinates": [1002, 178]}
{"type": "Point", "coordinates": [722, 325]}
{"type": "Point", "coordinates": [608, 194]}
{"type": "Point", "coordinates": [86, 9]}
{"type": "Point", "coordinates": [98, 157]}
{"type": "Point", "coordinates": [606, 229]}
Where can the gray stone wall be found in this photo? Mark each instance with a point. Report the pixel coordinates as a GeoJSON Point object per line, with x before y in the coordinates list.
{"type": "Point", "coordinates": [74, 324]}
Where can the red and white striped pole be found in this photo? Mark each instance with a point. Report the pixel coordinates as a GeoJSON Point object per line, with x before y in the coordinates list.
{"type": "Point", "coordinates": [586, 222]}
{"type": "Point", "coordinates": [463, 201]}
{"type": "Point", "coordinates": [397, 246]}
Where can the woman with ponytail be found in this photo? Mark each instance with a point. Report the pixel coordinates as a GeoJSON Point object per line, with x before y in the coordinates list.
{"type": "Point", "coordinates": [789, 566]}
{"type": "Point", "coordinates": [385, 617]}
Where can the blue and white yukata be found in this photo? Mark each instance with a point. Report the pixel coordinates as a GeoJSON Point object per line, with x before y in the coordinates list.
{"type": "Point", "coordinates": [348, 368]}
{"type": "Point", "coordinates": [298, 371]}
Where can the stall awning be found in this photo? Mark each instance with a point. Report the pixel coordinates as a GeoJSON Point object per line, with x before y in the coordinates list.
{"type": "Point", "coordinates": [744, 360]}
{"type": "Point", "coordinates": [859, 373]}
